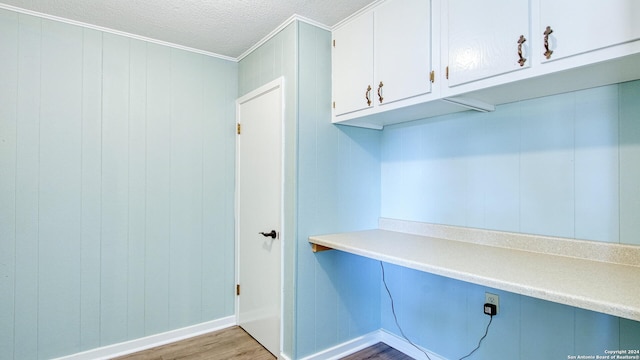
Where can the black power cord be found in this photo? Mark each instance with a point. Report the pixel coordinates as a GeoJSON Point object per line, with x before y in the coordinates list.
{"type": "Point", "coordinates": [395, 317]}
{"type": "Point", "coordinates": [393, 310]}
{"type": "Point", "coordinates": [482, 338]}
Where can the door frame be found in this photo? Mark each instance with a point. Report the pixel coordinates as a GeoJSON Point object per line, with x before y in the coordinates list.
{"type": "Point", "coordinates": [278, 85]}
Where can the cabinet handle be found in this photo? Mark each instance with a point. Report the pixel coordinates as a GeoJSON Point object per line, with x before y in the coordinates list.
{"type": "Point", "coordinates": [380, 98]}
{"type": "Point", "coordinates": [520, 42]}
{"type": "Point", "coordinates": [366, 95]}
{"type": "Point", "coordinates": [548, 52]}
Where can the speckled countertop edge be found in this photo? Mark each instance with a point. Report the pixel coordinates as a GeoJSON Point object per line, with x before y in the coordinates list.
{"type": "Point", "coordinates": [594, 285]}
{"type": "Point", "coordinates": [581, 249]}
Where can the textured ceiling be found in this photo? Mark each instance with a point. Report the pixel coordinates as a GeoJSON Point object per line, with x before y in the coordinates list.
{"type": "Point", "coordinates": [224, 27]}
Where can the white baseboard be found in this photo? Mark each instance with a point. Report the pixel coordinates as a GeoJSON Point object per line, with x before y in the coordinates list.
{"type": "Point", "coordinates": [404, 346]}
{"type": "Point", "coordinates": [352, 346]}
{"type": "Point", "coordinates": [346, 348]}
{"type": "Point", "coordinates": [128, 347]}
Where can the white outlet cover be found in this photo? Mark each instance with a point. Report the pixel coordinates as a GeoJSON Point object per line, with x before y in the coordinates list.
{"type": "Point", "coordinates": [492, 299]}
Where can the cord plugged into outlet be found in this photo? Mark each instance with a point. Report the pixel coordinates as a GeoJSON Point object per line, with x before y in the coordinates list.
{"type": "Point", "coordinates": [490, 309]}
{"type": "Point", "coordinates": [491, 299]}
{"type": "Point", "coordinates": [491, 302]}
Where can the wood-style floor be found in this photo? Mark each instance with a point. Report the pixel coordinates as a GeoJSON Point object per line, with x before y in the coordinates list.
{"type": "Point", "coordinates": [235, 343]}
{"type": "Point", "coordinates": [379, 351]}
{"type": "Point", "coordinates": [231, 343]}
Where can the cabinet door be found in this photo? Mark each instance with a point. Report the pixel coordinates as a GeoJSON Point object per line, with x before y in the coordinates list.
{"type": "Point", "coordinates": [353, 65]}
{"type": "Point", "coordinates": [483, 38]}
{"type": "Point", "coordinates": [402, 49]}
{"type": "Point", "coordinates": [587, 25]}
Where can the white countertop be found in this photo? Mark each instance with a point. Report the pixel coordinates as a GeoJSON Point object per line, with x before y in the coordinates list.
{"type": "Point", "coordinates": [610, 288]}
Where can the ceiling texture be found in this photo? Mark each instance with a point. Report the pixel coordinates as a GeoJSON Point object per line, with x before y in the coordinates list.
{"type": "Point", "coordinates": [223, 27]}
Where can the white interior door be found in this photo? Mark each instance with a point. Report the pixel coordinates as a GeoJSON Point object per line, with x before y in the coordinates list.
{"type": "Point", "coordinates": [259, 210]}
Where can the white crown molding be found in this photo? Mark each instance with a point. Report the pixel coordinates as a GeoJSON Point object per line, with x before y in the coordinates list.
{"type": "Point", "coordinates": [357, 13]}
{"type": "Point", "coordinates": [294, 17]}
{"type": "Point", "coordinates": [112, 31]}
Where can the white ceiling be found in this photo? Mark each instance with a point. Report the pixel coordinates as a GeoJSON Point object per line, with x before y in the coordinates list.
{"type": "Point", "coordinates": [224, 27]}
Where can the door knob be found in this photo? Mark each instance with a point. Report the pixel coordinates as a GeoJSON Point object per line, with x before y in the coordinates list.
{"type": "Point", "coordinates": [271, 234]}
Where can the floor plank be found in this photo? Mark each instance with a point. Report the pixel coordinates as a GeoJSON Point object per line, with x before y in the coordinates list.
{"type": "Point", "coordinates": [379, 351]}
{"type": "Point", "coordinates": [230, 343]}
{"type": "Point", "coordinates": [235, 343]}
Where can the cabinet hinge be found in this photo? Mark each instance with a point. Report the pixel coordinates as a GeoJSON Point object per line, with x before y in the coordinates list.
{"type": "Point", "coordinates": [237, 289]}
{"type": "Point", "coordinates": [447, 73]}
{"type": "Point", "coordinates": [238, 129]}
{"type": "Point", "coordinates": [432, 76]}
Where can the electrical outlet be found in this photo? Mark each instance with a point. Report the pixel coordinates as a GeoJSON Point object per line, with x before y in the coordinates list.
{"type": "Point", "coordinates": [492, 299]}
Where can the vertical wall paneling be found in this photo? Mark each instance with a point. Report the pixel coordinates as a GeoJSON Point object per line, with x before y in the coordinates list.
{"type": "Point", "coordinates": [59, 190]}
{"type": "Point", "coordinates": [536, 341]}
{"type": "Point", "coordinates": [596, 165]}
{"type": "Point", "coordinates": [629, 334]}
{"type": "Point", "coordinates": [91, 189]}
{"type": "Point", "coordinates": [279, 58]}
{"type": "Point", "coordinates": [286, 64]}
{"type": "Point", "coordinates": [320, 196]}
{"type": "Point", "coordinates": [8, 151]}
{"type": "Point", "coordinates": [136, 188]}
{"type": "Point", "coordinates": [115, 189]}
{"type": "Point", "coordinates": [185, 267]}
{"type": "Point", "coordinates": [338, 190]}
{"type": "Point", "coordinates": [559, 166]}
{"type": "Point", "coordinates": [102, 178]}
{"type": "Point", "coordinates": [547, 190]}
{"type": "Point", "coordinates": [307, 288]}
{"type": "Point", "coordinates": [590, 325]}
{"type": "Point", "coordinates": [158, 201]}
{"type": "Point", "coordinates": [564, 165]}
{"type": "Point", "coordinates": [212, 297]}
{"type": "Point", "coordinates": [218, 146]}
{"type": "Point", "coordinates": [629, 152]}
{"type": "Point", "coordinates": [229, 220]}
{"type": "Point", "coordinates": [492, 185]}
{"type": "Point", "coordinates": [27, 175]}
{"type": "Point", "coordinates": [325, 268]}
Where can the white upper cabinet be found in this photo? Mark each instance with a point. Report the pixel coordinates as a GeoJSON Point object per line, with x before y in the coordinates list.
{"type": "Point", "coordinates": [584, 26]}
{"type": "Point", "coordinates": [382, 57]}
{"type": "Point", "coordinates": [486, 38]}
{"type": "Point", "coordinates": [402, 57]}
{"type": "Point", "coordinates": [404, 60]}
{"type": "Point", "coordinates": [353, 65]}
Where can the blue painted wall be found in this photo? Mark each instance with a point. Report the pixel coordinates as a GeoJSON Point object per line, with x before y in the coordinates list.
{"type": "Point", "coordinates": [564, 165]}
{"type": "Point", "coordinates": [338, 190]}
{"type": "Point", "coordinates": [275, 58]}
{"type": "Point", "coordinates": [334, 178]}
{"type": "Point", "coordinates": [116, 188]}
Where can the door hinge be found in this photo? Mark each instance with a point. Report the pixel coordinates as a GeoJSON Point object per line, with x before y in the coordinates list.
{"type": "Point", "coordinates": [239, 129]}
{"type": "Point", "coordinates": [334, 104]}
{"type": "Point", "coordinates": [334, 42]}
{"type": "Point", "coordinates": [432, 76]}
{"type": "Point", "coordinates": [237, 289]}
{"type": "Point", "coordinates": [447, 73]}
